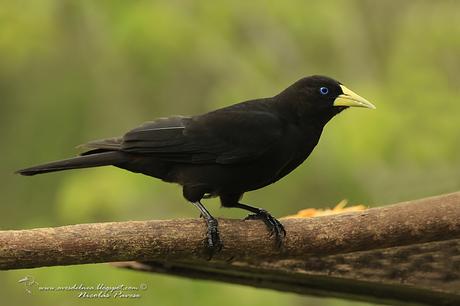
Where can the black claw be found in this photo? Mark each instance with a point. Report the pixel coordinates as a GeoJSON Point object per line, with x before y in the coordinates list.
{"type": "Point", "coordinates": [213, 244]}
{"type": "Point", "coordinates": [274, 226]}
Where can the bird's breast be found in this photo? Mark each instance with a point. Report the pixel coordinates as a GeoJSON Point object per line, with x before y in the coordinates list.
{"type": "Point", "coordinates": [297, 152]}
{"type": "Point", "coordinates": [281, 159]}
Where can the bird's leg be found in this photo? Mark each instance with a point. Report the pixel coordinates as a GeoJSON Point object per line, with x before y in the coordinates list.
{"type": "Point", "coordinates": [274, 226]}
{"type": "Point", "coordinates": [213, 243]}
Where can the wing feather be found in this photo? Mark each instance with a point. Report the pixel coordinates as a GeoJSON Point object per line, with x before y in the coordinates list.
{"type": "Point", "coordinates": [226, 137]}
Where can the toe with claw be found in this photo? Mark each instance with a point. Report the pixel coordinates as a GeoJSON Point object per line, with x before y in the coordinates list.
{"type": "Point", "coordinates": [213, 244]}
{"type": "Point", "coordinates": [274, 226]}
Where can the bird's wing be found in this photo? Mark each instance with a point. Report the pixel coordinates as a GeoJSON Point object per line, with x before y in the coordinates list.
{"type": "Point", "coordinates": [219, 137]}
{"type": "Point", "coordinates": [108, 144]}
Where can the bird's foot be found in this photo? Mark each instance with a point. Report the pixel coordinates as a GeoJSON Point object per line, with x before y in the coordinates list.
{"type": "Point", "coordinates": [213, 244]}
{"type": "Point", "coordinates": [274, 226]}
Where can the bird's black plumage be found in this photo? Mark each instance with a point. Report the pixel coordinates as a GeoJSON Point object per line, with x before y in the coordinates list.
{"type": "Point", "coordinates": [226, 152]}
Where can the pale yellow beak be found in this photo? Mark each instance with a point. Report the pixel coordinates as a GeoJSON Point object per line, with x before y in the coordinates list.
{"type": "Point", "coordinates": [351, 99]}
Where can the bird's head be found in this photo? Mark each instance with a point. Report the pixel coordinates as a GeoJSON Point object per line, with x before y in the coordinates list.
{"type": "Point", "coordinates": [321, 97]}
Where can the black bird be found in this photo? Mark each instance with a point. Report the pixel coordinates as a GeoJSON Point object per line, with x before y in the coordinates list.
{"type": "Point", "coordinates": [226, 152]}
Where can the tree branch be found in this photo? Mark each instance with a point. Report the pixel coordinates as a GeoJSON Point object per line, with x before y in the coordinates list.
{"type": "Point", "coordinates": [406, 251]}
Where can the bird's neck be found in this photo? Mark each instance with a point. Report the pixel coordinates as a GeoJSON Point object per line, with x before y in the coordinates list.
{"type": "Point", "coordinates": [303, 115]}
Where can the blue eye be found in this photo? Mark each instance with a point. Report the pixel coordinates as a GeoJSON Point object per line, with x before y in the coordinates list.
{"type": "Point", "coordinates": [324, 90]}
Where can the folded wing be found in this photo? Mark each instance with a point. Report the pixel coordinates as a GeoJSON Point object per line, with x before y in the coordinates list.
{"type": "Point", "coordinates": [219, 137]}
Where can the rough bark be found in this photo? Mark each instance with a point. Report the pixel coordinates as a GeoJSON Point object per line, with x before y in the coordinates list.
{"type": "Point", "coordinates": [407, 252]}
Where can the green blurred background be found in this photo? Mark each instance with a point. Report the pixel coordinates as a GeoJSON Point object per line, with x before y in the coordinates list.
{"type": "Point", "coordinates": [73, 71]}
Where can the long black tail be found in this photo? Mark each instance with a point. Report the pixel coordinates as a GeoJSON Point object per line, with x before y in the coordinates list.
{"type": "Point", "coordinates": [86, 161]}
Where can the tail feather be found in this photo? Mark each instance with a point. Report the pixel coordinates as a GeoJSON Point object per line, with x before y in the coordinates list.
{"type": "Point", "coordinates": [86, 161]}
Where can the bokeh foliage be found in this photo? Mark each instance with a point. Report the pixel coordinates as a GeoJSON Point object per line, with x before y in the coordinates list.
{"type": "Point", "coordinates": [72, 71]}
